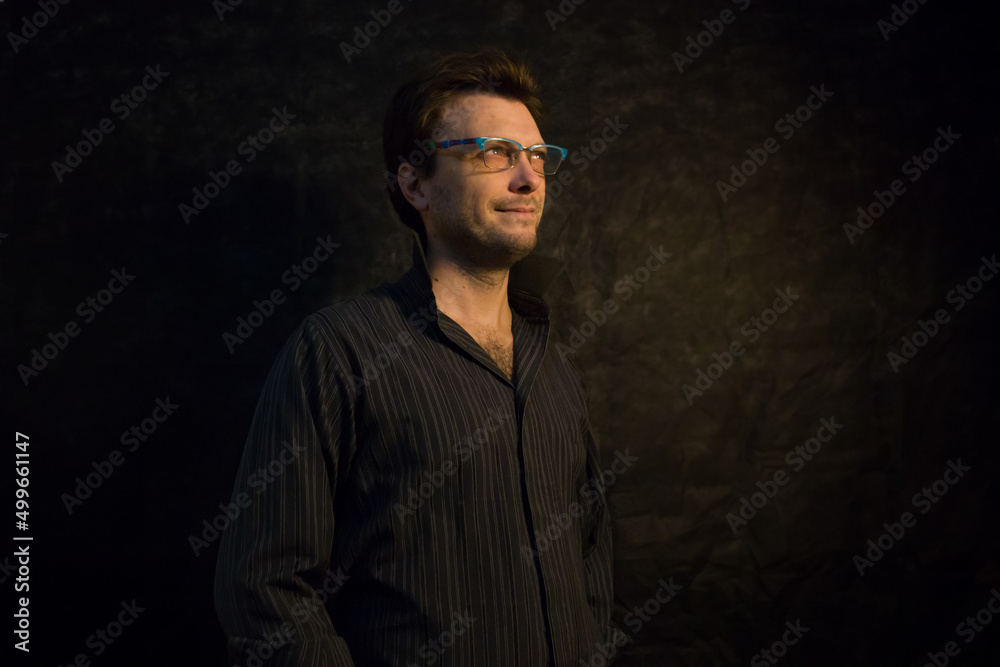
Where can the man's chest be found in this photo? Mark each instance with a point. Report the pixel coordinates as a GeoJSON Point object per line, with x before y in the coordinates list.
{"type": "Point", "coordinates": [444, 416]}
{"type": "Point", "coordinates": [499, 345]}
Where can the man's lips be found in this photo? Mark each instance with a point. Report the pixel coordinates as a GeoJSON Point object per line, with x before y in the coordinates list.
{"type": "Point", "coordinates": [517, 210]}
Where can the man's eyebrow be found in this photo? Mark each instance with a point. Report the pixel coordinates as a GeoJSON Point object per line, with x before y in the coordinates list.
{"type": "Point", "coordinates": [530, 143]}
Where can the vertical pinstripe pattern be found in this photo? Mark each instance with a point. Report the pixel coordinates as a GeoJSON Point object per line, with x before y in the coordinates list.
{"type": "Point", "coordinates": [420, 477]}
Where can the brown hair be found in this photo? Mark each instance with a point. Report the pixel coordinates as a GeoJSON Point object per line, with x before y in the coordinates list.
{"type": "Point", "coordinates": [415, 112]}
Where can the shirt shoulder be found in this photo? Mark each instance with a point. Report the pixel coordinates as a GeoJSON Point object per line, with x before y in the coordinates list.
{"type": "Point", "coordinates": [342, 336]}
{"type": "Point", "coordinates": [355, 315]}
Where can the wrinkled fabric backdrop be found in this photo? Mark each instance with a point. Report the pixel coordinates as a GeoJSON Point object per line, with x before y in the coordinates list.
{"type": "Point", "coordinates": [756, 528]}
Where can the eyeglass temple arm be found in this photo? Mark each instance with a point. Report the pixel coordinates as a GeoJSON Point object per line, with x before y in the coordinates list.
{"type": "Point", "coordinates": [456, 142]}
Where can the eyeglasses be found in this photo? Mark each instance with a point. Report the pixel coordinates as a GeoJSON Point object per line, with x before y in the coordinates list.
{"type": "Point", "coordinates": [504, 153]}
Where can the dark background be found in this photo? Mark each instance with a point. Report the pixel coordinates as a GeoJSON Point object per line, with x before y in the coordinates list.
{"type": "Point", "coordinates": [654, 185]}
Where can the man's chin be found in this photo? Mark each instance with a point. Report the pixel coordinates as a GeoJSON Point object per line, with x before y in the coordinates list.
{"type": "Point", "coordinates": [494, 247]}
{"type": "Point", "coordinates": [504, 256]}
{"type": "Point", "coordinates": [519, 232]}
{"type": "Point", "coordinates": [503, 250]}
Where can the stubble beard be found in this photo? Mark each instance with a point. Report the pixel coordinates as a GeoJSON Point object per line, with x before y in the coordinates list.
{"type": "Point", "coordinates": [479, 244]}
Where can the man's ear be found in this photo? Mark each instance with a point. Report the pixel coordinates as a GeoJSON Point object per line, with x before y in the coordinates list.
{"type": "Point", "coordinates": [412, 186]}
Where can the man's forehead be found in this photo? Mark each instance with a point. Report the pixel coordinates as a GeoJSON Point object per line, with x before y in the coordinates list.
{"type": "Point", "coordinates": [480, 114]}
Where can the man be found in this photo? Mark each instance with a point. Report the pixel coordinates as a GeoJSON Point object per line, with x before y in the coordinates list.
{"type": "Point", "coordinates": [438, 499]}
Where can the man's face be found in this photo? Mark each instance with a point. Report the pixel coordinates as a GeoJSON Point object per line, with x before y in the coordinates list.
{"type": "Point", "coordinates": [477, 215]}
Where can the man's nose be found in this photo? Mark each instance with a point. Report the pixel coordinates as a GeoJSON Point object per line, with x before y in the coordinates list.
{"type": "Point", "coordinates": [525, 177]}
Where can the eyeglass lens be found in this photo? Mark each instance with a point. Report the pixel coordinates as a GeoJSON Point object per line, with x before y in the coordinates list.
{"type": "Point", "coordinates": [500, 154]}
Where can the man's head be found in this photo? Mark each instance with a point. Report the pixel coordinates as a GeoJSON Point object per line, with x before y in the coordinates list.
{"type": "Point", "coordinates": [450, 194]}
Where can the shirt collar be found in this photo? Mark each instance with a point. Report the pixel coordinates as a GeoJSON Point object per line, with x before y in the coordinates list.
{"type": "Point", "coordinates": [529, 280]}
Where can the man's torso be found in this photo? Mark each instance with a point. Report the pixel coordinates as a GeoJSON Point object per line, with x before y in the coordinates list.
{"type": "Point", "coordinates": [433, 489]}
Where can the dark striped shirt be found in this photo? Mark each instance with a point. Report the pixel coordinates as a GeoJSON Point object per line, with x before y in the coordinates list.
{"type": "Point", "coordinates": [408, 504]}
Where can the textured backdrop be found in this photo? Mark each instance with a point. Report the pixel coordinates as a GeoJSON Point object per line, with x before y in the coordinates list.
{"type": "Point", "coordinates": [676, 115]}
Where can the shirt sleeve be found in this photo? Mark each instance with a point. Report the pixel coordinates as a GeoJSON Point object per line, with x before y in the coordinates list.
{"type": "Point", "coordinates": [597, 551]}
{"type": "Point", "coordinates": [273, 571]}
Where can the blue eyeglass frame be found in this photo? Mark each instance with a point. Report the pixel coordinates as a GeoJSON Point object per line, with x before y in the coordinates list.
{"type": "Point", "coordinates": [481, 142]}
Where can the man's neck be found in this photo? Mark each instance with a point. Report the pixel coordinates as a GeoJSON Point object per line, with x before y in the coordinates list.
{"type": "Point", "coordinates": [470, 295]}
